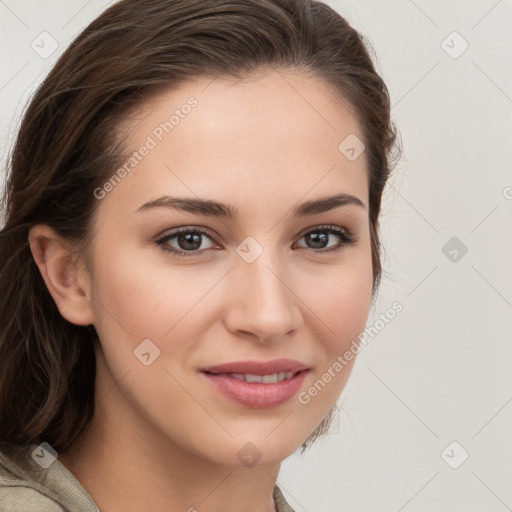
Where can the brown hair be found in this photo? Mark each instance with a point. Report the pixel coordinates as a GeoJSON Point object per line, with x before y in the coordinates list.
{"type": "Point", "coordinates": [68, 144]}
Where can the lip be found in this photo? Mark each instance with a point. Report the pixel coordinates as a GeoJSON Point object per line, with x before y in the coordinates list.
{"type": "Point", "coordinates": [257, 395]}
{"type": "Point", "coordinates": [258, 367]}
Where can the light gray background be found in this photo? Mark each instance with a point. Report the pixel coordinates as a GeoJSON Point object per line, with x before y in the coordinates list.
{"type": "Point", "coordinates": [440, 371]}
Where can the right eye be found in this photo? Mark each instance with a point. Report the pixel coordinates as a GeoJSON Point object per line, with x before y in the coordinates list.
{"type": "Point", "coordinates": [187, 239]}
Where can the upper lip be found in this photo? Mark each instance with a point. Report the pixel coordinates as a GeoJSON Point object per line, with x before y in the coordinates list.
{"type": "Point", "coordinates": [258, 367]}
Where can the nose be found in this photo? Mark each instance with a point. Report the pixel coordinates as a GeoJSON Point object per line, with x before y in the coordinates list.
{"type": "Point", "coordinates": [262, 301]}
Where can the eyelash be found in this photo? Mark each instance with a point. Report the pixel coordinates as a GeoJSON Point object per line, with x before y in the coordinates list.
{"type": "Point", "coordinates": [345, 236]}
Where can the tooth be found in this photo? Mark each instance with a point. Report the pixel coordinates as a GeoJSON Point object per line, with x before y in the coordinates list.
{"type": "Point", "coordinates": [253, 378]}
{"type": "Point", "coordinates": [267, 379]}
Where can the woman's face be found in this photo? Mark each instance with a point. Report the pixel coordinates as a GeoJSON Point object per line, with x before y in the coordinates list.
{"type": "Point", "coordinates": [261, 286]}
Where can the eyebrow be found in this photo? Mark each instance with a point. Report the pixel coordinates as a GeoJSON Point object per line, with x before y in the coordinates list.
{"type": "Point", "coordinates": [215, 209]}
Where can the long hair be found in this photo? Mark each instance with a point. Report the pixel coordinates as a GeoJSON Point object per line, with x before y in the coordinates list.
{"type": "Point", "coordinates": [68, 145]}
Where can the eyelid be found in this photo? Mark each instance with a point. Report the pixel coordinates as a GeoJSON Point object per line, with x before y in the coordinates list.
{"type": "Point", "coordinates": [319, 227]}
{"type": "Point", "coordinates": [190, 227]}
{"type": "Point", "coordinates": [187, 229]}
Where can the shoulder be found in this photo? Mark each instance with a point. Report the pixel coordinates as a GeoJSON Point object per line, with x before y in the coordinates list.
{"type": "Point", "coordinates": [18, 483]}
{"type": "Point", "coordinates": [33, 480]}
{"type": "Point", "coordinates": [281, 503]}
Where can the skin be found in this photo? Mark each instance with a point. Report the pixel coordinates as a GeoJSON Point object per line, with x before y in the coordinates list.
{"type": "Point", "coordinates": [162, 438]}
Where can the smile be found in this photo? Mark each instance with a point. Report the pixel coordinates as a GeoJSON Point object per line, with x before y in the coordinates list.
{"type": "Point", "coordinates": [257, 384]}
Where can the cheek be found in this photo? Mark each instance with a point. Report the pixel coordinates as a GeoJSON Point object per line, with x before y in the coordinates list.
{"type": "Point", "coordinates": [130, 302]}
{"type": "Point", "coordinates": [341, 299]}
{"type": "Point", "coordinates": [353, 307]}
{"type": "Point", "coordinates": [124, 294]}
{"type": "Point", "coordinates": [342, 307]}
{"type": "Point", "coordinates": [139, 296]}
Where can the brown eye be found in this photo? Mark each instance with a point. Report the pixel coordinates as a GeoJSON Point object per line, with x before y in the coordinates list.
{"type": "Point", "coordinates": [188, 240]}
{"type": "Point", "coordinates": [318, 239]}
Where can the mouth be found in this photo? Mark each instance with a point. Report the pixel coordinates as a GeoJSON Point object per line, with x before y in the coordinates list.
{"type": "Point", "coordinates": [258, 384]}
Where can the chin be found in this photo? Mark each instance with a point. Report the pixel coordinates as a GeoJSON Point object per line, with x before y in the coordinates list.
{"type": "Point", "coordinates": [255, 448]}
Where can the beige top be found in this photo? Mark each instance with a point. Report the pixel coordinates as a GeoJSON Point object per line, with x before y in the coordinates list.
{"type": "Point", "coordinates": [27, 486]}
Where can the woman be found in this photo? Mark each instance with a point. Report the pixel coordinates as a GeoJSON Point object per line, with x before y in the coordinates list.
{"type": "Point", "coordinates": [190, 245]}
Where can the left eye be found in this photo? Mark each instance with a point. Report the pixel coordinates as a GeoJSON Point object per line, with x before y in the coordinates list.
{"type": "Point", "coordinates": [321, 234]}
{"type": "Point", "coordinates": [189, 240]}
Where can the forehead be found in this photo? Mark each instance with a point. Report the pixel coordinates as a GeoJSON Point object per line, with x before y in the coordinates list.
{"type": "Point", "coordinates": [272, 135]}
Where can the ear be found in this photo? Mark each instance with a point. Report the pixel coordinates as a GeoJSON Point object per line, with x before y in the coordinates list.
{"type": "Point", "coordinates": [67, 282]}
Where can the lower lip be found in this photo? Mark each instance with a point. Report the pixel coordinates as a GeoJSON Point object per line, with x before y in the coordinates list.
{"type": "Point", "coordinates": [257, 395]}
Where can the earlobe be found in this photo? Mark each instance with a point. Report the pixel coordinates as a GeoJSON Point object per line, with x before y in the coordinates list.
{"type": "Point", "coordinates": [61, 272]}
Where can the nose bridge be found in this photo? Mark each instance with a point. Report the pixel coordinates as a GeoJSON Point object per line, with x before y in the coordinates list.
{"type": "Point", "coordinates": [263, 302]}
